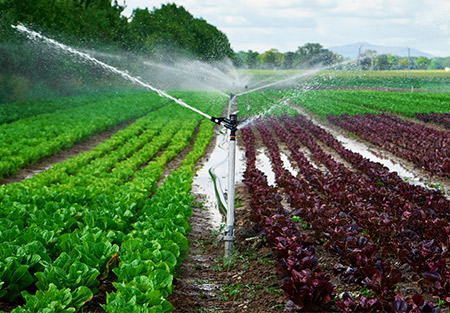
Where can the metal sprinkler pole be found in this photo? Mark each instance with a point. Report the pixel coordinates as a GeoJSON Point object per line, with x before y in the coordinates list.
{"type": "Point", "coordinates": [230, 124]}
{"type": "Point", "coordinates": [229, 231]}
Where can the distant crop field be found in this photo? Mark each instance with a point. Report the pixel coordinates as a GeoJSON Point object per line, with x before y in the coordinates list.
{"type": "Point", "coordinates": [433, 80]}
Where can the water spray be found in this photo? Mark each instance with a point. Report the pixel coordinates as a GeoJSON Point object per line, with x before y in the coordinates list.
{"type": "Point", "coordinates": [108, 67]}
{"type": "Point", "coordinates": [308, 73]}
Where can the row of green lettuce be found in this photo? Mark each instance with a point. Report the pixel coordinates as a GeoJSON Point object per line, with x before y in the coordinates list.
{"type": "Point", "coordinates": [10, 112]}
{"type": "Point", "coordinates": [83, 222]}
{"type": "Point", "coordinates": [28, 140]}
{"type": "Point", "coordinates": [337, 102]}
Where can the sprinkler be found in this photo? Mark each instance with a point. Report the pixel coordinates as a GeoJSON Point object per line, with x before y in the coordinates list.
{"type": "Point", "coordinates": [230, 123]}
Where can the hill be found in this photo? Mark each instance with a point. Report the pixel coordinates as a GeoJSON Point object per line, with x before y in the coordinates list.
{"type": "Point", "coordinates": [351, 50]}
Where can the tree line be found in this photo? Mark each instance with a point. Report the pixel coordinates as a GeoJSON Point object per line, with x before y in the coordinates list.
{"type": "Point", "coordinates": [370, 60]}
{"type": "Point", "coordinates": [95, 23]}
{"type": "Point", "coordinates": [307, 56]}
{"type": "Point", "coordinates": [165, 34]}
{"type": "Point", "coordinates": [313, 55]}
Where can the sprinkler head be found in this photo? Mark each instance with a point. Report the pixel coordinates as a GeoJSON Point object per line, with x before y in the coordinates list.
{"type": "Point", "coordinates": [230, 123]}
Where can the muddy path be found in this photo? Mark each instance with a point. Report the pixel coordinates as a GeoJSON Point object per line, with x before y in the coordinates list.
{"type": "Point", "coordinates": [206, 282]}
{"type": "Point", "coordinates": [247, 282]}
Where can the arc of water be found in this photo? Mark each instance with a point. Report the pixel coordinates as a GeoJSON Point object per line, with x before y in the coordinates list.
{"type": "Point", "coordinates": [308, 73]}
{"type": "Point", "coordinates": [125, 75]}
{"type": "Point", "coordinates": [199, 75]}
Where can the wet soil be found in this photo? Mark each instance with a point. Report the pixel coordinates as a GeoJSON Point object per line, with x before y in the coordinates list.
{"type": "Point", "coordinates": [207, 282]}
{"type": "Point", "coordinates": [247, 282]}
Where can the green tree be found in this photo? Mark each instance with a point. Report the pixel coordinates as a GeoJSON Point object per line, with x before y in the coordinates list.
{"type": "Point", "coordinates": [252, 59]}
{"type": "Point", "coordinates": [288, 60]}
{"type": "Point", "coordinates": [423, 62]}
{"type": "Point", "coordinates": [71, 20]}
{"type": "Point", "coordinates": [382, 62]}
{"type": "Point", "coordinates": [239, 59]}
{"type": "Point", "coordinates": [313, 54]}
{"type": "Point", "coordinates": [439, 63]}
{"type": "Point", "coordinates": [172, 30]}
{"type": "Point", "coordinates": [212, 44]}
{"type": "Point", "coordinates": [271, 59]}
{"type": "Point", "coordinates": [403, 63]}
{"type": "Point", "coordinates": [367, 59]}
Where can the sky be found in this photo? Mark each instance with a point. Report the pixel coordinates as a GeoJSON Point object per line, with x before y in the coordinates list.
{"type": "Point", "coordinates": [285, 25]}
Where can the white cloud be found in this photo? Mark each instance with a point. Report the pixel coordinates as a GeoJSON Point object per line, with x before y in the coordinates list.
{"type": "Point", "coordinates": [286, 24]}
{"type": "Point", "coordinates": [231, 20]}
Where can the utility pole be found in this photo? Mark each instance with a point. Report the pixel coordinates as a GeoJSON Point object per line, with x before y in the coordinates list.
{"type": "Point", "coordinates": [359, 60]}
{"type": "Point", "coordinates": [409, 62]}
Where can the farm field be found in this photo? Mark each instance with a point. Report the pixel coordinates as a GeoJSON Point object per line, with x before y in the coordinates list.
{"type": "Point", "coordinates": [69, 232]}
{"type": "Point", "coordinates": [30, 138]}
{"type": "Point", "coordinates": [422, 80]}
{"type": "Point", "coordinates": [318, 197]}
{"type": "Point", "coordinates": [107, 230]}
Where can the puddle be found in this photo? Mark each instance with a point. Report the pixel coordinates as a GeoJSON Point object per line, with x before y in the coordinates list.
{"type": "Point", "coordinates": [287, 164]}
{"type": "Point", "coordinates": [263, 164]}
{"type": "Point", "coordinates": [203, 183]}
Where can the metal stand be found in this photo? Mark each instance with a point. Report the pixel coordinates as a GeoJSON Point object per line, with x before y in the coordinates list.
{"type": "Point", "coordinates": [230, 124]}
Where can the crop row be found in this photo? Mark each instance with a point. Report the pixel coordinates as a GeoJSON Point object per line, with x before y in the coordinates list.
{"type": "Point", "coordinates": [342, 237]}
{"type": "Point", "coordinates": [303, 281]}
{"type": "Point", "coordinates": [358, 215]}
{"type": "Point", "coordinates": [28, 140]}
{"type": "Point", "coordinates": [419, 79]}
{"type": "Point", "coordinates": [263, 103]}
{"type": "Point", "coordinates": [317, 102]}
{"type": "Point", "coordinates": [10, 112]}
{"type": "Point", "coordinates": [68, 231]}
{"type": "Point", "coordinates": [437, 118]}
{"type": "Point", "coordinates": [405, 103]}
{"type": "Point", "coordinates": [425, 147]}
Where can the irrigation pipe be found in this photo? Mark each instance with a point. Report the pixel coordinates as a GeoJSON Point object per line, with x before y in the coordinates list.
{"type": "Point", "coordinates": [216, 180]}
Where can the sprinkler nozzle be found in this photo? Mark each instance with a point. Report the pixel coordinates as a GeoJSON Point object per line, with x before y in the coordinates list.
{"type": "Point", "coordinates": [230, 123]}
